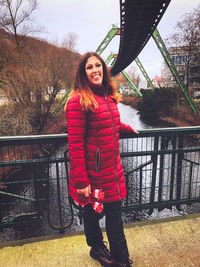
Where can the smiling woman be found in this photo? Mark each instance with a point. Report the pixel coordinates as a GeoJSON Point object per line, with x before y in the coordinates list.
{"type": "Point", "coordinates": [96, 174]}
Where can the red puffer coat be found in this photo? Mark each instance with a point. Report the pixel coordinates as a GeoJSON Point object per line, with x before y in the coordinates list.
{"type": "Point", "coordinates": [93, 139]}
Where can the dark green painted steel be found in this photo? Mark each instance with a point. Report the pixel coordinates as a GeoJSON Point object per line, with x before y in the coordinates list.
{"type": "Point", "coordinates": [131, 84]}
{"type": "Point", "coordinates": [141, 67]}
{"type": "Point", "coordinates": [126, 76]}
{"type": "Point", "coordinates": [107, 39]}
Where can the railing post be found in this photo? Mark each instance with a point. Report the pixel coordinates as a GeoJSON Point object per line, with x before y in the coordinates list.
{"type": "Point", "coordinates": [173, 168]}
{"type": "Point", "coordinates": [161, 170]}
{"type": "Point", "coordinates": [179, 167]}
{"type": "Point", "coordinates": [140, 194]}
{"type": "Point", "coordinates": [154, 172]}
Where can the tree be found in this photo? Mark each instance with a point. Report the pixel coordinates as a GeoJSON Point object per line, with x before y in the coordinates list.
{"type": "Point", "coordinates": [35, 80]}
{"type": "Point", "coordinates": [69, 41]}
{"type": "Point", "coordinates": [15, 18]}
{"type": "Point", "coordinates": [135, 77]}
{"type": "Point", "coordinates": [186, 40]}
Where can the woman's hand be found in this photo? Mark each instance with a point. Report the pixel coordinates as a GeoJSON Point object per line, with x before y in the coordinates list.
{"type": "Point", "coordinates": [85, 191]}
{"type": "Point", "coordinates": [135, 131]}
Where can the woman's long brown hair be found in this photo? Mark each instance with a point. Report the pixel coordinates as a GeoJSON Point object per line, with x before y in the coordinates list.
{"type": "Point", "coordinates": [81, 84]}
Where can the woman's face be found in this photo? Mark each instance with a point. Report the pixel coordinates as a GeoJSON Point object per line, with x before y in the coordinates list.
{"type": "Point", "coordinates": [94, 71]}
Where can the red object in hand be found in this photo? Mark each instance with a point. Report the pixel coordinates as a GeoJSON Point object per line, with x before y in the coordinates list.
{"type": "Point", "coordinates": [98, 207]}
{"type": "Point", "coordinates": [98, 194]}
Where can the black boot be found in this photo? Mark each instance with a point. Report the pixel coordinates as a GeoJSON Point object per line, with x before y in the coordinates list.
{"type": "Point", "coordinates": [102, 255]}
{"type": "Point", "coordinates": [127, 263]}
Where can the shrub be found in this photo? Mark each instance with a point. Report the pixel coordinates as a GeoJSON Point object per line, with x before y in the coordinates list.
{"type": "Point", "coordinates": [155, 102]}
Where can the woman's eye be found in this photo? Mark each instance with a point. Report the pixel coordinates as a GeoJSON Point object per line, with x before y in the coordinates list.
{"type": "Point", "coordinates": [98, 65]}
{"type": "Point", "coordinates": [89, 67]}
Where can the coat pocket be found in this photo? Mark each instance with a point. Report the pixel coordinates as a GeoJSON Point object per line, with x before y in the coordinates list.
{"type": "Point", "coordinates": [97, 160]}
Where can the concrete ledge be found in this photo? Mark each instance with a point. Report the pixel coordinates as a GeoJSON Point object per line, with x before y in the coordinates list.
{"type": "Point", "coordinates": [166, 242]}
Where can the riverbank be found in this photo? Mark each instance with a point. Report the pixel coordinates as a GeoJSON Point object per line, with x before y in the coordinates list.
{"type": "Point", "coordinates": [181, 118]}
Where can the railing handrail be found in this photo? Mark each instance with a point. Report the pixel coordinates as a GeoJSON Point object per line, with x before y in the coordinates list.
{"type": "Point", "coordinates": [181, 130]}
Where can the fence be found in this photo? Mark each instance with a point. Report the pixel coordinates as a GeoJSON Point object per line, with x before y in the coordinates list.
{"type": "Point", "coordinates": [161, 168]}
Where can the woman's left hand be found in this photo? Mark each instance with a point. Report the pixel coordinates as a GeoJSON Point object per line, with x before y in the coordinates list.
{"type": "Point", "coordinates": [135, 131]}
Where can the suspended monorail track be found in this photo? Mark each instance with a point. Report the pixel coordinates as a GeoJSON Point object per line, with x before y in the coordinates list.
{"type": "Point", "coordinates": [139, 19]}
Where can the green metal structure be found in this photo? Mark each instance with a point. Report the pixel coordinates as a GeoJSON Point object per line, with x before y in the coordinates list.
{"type": "Point", "coordinates": [126, 76]}
{"type": "Point", "coordinates": [161, 46]}
{"type": "Point", "coordinates": [114, 31]}
{"type": "Point", "coordinates": [109, 58]}
{"type": "Point", "coordinates": [139, 64]}
{"type": "Point", "coordinates": [131, 84]}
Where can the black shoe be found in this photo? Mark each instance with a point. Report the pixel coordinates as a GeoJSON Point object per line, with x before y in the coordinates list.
{"type": "Point", "coordinates": [127, 263]}
{"type": "Point", "coordinates": [102, 255]}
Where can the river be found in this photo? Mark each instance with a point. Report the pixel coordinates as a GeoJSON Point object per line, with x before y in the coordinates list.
{"type": "Point", "coordinates": [131, 117]}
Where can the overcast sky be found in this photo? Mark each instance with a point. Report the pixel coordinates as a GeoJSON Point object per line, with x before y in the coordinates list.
{"type": "Point", "coordinates": [91, 20]}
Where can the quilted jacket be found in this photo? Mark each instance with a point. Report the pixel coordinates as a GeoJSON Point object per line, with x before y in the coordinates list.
{"type": "Point", "coordinates": [93, 140]}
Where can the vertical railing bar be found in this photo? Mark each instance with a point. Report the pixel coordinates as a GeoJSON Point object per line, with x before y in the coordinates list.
{"type": "Point", "coordinates": [9, 152]}
{"type": "Point", "coordinates": [127, 188]}
{"type": "Point", "coordinates": [168, 176]}
{"type": "Point", "coordinates": [146, 172]}
{"type": "Point", "coordinates": [197, 176]}
{"type": "Point", "coordinates": [59, 200]}
{"type": "Point", "coordinates": [154, 170]}
{"type": "Point", "coordinates": [140, 191]}
{"type": "Point", "coordinates": [179, 167]}
{"type": "Point", "coordinates": [14, 152]}
{"type": "Point", "coordinates": [190, 180]}
{"type": "Point", "coordinates": [196, 169]}
{"type": "Point", "coordinates": [160, 190]}
{"type": "Point", "coordinates": [20, 152]}
{"type": "Point", "coordinates": [173, 168]}
{"type": "Point", "coordinates": [36, 203]}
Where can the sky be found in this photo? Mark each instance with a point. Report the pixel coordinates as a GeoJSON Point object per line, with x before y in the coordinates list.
{"type": "Point", "coordinates": [91, 21]}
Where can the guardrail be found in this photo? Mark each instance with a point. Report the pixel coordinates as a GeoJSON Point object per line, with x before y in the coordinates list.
{"type": "Point", "coordinates": [161, 168]}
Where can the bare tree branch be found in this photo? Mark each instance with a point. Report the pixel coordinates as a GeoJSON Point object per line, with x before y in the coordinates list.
{"type": "Point", "coordinates": [15, 17]}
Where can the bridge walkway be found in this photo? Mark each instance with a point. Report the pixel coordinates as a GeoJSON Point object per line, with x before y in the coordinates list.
{"type": "Point", "coordinates": [172, 242]}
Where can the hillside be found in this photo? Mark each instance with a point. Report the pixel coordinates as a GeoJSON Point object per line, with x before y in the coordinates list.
{"type": "Point", "coordinates": [31, 77]}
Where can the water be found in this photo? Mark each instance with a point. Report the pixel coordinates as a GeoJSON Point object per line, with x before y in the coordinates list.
{"type": "Point", "coordinates": [129, 116]}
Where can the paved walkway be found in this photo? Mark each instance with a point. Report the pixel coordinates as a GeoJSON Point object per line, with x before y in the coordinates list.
{"type": "Point", "coordinates": [170, 242]}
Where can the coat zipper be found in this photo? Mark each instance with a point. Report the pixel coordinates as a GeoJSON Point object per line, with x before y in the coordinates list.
{"type": "Point", "coordinates": [114, 145]}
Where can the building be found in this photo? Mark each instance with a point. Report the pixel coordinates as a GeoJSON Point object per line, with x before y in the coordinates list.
{"type": "Point", "coordinates": [182, 62]}
{"type": "Point", "coordinates": [158, 81]}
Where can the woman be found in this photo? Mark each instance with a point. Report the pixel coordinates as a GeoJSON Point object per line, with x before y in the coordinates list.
{"type": "Point", "coordinates": [93, 124]}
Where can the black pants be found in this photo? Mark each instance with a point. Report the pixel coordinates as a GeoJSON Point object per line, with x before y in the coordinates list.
{"type": "Point", "coordinates": [114, 229]}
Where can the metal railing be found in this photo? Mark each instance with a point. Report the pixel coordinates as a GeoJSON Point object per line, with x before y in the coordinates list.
{"type": "Point", "coordinates": [161, 168]}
